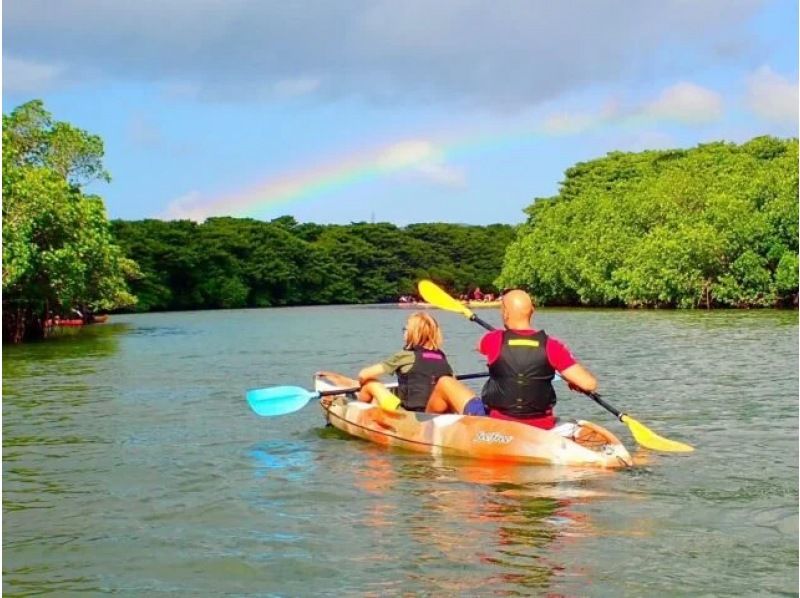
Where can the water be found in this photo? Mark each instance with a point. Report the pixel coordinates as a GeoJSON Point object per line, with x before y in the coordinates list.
{"type": "Point", "coordinates": [132, 465]}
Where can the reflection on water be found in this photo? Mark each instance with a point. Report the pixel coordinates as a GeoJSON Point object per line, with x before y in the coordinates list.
{"type": "Point", "coordinates": [499, 524]}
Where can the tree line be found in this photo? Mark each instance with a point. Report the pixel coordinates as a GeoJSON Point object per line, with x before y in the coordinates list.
{"type": "Point", "coordinates": [711, 226]}
{"type": "Point", "coordinates": [240, 262]}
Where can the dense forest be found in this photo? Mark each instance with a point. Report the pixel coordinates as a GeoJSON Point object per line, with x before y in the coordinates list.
{"type": "Point", "coordinates": [711, 226]}
{"type": "Point", "coordinates": [238, 262]}
{"type": "Point", "coordinates": [715, 225]}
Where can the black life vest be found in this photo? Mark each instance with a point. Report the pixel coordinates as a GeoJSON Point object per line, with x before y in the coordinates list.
{"type": "Point", "coordinates": [415, 386]}
{"type": "Point", "coordinates": [520, 380]}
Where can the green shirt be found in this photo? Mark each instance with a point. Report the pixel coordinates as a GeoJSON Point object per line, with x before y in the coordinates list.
{"type": "Point", "coordinates": [399, 362]}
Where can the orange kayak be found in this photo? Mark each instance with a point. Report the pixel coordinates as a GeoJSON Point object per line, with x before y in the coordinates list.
{"type": "Point", "coordinates": [51, 323]}
{"type": "Point", "coordinates": [579, 443]}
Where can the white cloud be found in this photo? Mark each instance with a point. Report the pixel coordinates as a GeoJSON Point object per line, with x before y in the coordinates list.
{"type": "Point", "coordinates": [688, 103]}
{"type": "Point", "coordinates": [29, 76]}
{"type": "Point", "coordinates": [442, 174]}
{"type": "Point", "coordinates": [420, 158]}
{"type": "Point", "coordinates": [772, 97]}
{"type": "Point", "coordinates": [406, 153]}
{"type": "Point", "coordinates": [186, 207]}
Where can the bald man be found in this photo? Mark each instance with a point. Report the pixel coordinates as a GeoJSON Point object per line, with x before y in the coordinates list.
{"type": "Point", "coordinates": [522, 364]}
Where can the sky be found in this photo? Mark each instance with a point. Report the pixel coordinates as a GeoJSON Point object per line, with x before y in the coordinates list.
{"type": "Point", "coordinates": [415, 111]}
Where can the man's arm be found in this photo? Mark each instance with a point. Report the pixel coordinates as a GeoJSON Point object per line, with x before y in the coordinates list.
{"type": "Point", "coordinates": [579, 378]}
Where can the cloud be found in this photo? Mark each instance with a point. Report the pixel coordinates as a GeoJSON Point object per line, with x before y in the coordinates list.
{"type": "Point", "coordinates": [406, 153]}
{"type": "Point", "coordinates": [29, 76]}
{"type": "Point", "coordinates": [422, 159]}
{"type": "Point", "coordinates": [772, 97]}
{"type": "Point", "coordinates": [466, 51]}
{"type": "Point", "coordinates": [687, 103]}
{"type": "Point", "coordinates": [188, 206]}
{"type": "Point", "coordinates": [683, 102]}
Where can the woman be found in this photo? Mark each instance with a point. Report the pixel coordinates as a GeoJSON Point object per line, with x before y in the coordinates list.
{"type": "Point", "coordinates": [425, 378]}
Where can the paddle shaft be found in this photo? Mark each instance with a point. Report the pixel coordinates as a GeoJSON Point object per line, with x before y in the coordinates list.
{"type": "Point", "coordinates": [344, 391]}
{"type": "Point", "coordinates": [596, 398]}
{"type": "Point", "coordinates": [483, 323]}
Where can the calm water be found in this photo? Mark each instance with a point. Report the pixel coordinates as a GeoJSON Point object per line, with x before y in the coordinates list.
{"type": "Point", "coordinates": [131, 464]}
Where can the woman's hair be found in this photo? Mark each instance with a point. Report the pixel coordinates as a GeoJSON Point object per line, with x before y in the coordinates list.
{"type": "Point", "coordinates": [423, 331]}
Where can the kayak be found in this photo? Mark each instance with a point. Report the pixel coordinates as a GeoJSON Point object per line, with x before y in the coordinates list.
{"type": "Point", "coordinates": [579, 443]}
{"type": "Point", "coordinates": [52, 323]}
{"type": "Point", "coordinates": [469, 304]}
{"type": "Point", "coordinates": [479, 304]}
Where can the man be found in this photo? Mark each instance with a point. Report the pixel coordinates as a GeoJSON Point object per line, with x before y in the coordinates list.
{"type": "Point", "coordinates": [522, 364]}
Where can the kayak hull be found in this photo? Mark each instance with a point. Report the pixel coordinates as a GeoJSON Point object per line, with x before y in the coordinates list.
{"type": "Point", "coordinates": [586, 445]}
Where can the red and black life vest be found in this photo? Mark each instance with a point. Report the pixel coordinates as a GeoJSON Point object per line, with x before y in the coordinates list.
{"type": "Point", "coordinates": [416, 385]}
{"type": "Point", "coordinates": [520, 380]}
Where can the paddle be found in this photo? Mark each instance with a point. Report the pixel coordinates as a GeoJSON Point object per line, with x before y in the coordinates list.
{"type": "Point", "coordinates": [435, 295]}
{"type": "Point", "coordinates": [280, 400]}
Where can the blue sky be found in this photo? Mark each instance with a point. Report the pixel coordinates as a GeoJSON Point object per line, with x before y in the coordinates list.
{"type": "Point", "coordinates": [458, 110]}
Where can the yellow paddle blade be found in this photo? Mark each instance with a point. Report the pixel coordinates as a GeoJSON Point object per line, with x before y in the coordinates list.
{"type": "Point", "coordinates": [435, 295]}
{"type": "Point", "coordinates": [649, 439]}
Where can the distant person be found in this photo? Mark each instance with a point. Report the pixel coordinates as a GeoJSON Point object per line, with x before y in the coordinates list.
{"type": "Point", "coordinates": [424, 376]}
{"type": "Point", "coordinates": [477, 294]}
{"type": "Point", "coordinates": [522, 364]}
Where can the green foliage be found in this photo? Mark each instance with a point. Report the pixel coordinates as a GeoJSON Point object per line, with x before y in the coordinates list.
{"type": "Point", "coordinates": [716, 225]}
{"type": "Point", "coordinates": [236, 262]}
{"type": "Point", "coordinates": [58, 252]}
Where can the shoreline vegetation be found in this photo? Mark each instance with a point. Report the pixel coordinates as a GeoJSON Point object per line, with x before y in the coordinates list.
{"type": "Point", "coordinates": [707, 227]}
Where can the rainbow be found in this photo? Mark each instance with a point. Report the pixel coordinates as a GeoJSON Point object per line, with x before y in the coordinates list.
{"type": "Point", "coordinates": [378, 162]}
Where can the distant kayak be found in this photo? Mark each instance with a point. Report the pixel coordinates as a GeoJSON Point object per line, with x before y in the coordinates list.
{"type": "Point", "coordinates": [469, 304]}
{"type": "Point", "coordinates": [54, 323]}
{"type": "Point", "coordinates": [480, 304]}
{"type": "Point", "coordinates": [580, 443]}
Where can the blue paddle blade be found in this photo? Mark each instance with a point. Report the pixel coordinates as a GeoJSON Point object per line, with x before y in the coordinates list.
{"type": "Point", "coordinates": [279, 400]}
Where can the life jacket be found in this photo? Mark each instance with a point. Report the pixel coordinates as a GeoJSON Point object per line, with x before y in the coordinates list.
{"type": "Point", "coordinates": [520, 380]}
{"type": "Point", "coordinates": [415, 386]}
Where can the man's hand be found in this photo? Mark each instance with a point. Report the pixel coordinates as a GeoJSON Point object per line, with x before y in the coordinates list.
{"type": "Point", "coordinates": [579, 379]}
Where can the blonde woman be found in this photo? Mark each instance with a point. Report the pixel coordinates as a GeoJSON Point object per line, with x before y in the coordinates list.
{"type": "Point", "coordinates": [425, 378]}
